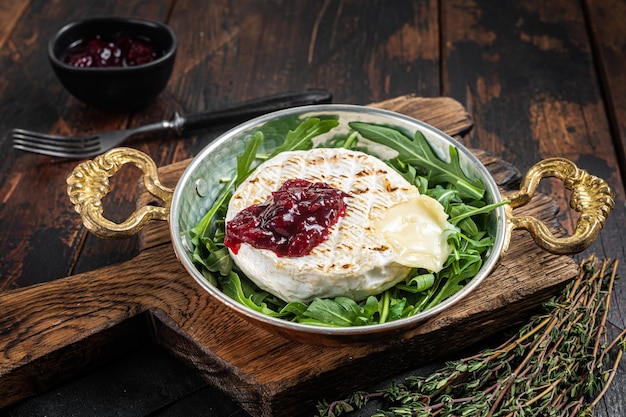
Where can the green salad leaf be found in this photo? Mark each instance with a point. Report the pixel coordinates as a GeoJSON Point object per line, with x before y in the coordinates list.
{"type": "Point", "coordinates": [247, 158]}
{"type": "Point", "coordinates": [341, 312]}
{"type": "Point", "coordinates": [417, 152]}
{"type": "Point", "coordinates": [233, 287]}
{"type": "Point", "coordinates": [302, 137]}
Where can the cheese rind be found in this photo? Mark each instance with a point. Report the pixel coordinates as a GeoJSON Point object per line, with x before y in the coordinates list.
{"type": "Point", "coordinates": [355, 260]}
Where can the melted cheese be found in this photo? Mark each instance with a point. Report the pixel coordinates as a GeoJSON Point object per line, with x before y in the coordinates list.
{"type": "Point", "coordinates": [356, 260]}
{"type": "Point", "coordinates": [417, 231]}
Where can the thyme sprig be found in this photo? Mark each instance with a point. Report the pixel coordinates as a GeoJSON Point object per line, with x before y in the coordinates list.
{"type": "Point", "coordinates": [559, 364]}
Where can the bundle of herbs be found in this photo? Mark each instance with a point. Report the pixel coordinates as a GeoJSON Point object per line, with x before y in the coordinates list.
{"type": "Point", "coordinates": [559, 364]}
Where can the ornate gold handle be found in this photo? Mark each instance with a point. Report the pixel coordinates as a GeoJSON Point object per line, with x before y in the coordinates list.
{"type": "Point", "coordinates": [89, 183]}
{"type": "Point", "coordinates": [590, 196]}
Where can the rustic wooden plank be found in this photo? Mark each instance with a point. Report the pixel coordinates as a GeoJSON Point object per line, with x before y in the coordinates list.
{"type": "Point", "coordinates": [286, 45]}
{"type": "Point", "coordinates": [10, 14]}
{"type": "Point", "coordinates": [529, 107]}
{"type": "Point", "coordinates": [197, 329]}
{"type": "Point", "coordinates": [608, 38]}
{"type": "Point", "coordinates": [527, 75]}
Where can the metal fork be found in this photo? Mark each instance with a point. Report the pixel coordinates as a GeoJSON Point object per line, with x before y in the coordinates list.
{"type": "Point", "coordinates": [97, 143]}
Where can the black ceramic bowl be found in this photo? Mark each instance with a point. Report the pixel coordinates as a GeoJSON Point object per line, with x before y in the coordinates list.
{"type": "Point", "coordinates": [117, 88]}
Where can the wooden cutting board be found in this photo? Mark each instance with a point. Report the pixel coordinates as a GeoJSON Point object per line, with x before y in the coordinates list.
{"type": "Point", "coordinates": [53, 331]}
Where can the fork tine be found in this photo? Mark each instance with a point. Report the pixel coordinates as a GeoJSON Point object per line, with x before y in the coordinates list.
{"type": "Point", "coordinates": [53, 145]}
{"type": "Point", "coordinates": [40, 140]}
{"type": "Point", "coordinates": [64, 149]}
{"type": "Point", "coordinates": [21, 133]}
{"type": "Point", "coordinates": [77, 147]}
{"type": "Point", "coordinates": [44, 137]}
{"type": "Point", "coordinates": [58, 153]}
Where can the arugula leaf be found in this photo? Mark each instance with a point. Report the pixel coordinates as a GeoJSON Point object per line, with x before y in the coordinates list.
{"type": "Point", "coordinates": [302, 137]}
{"type": "Point", "coordinates": [341, 311]}
{"type": "Point", "coordinates": [244, 164]}
{"type": "Point", "coordinates": [396, 310]}
{"type": "Point", "coordinates": [295, 308]}
{"type": "Point", "coordinates": [417, 152]}
{"type": "Point", "coordinates": [447, 197]}
{"type": "Point", "coordinates": [332, 312]}
{"type": "Point", "coordinates": [466, 211]}
{"type": "Point", "coordinates": [232, 286]}
{"type": "Point", "coordinates": [409, 173]}
{"type": "Point", "coordinates": [383, 306]}
{"type": "Point", "coordinates": [203, 228]}
{"type": "Point", "coordinates": [246, 159]}
{"type": "Point", "coordinates": [418, 283]}
{"type": "Point", "coordinates": [371, 306]}
{"type": "Point", "coordinates": [464, 267]}
{"type": "Point", "coordinates": [218, 260]}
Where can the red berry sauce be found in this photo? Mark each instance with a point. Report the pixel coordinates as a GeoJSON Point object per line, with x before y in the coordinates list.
{"type": "Point", "coordinates": [294, 220]}
{"type": "Point", "coordinates": [120, 51]}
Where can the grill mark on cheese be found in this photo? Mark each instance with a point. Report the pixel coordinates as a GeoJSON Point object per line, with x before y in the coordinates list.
{"type": "Point", "coordinates": [344, 245]}
{"type": "Point", "coordinates": [325, 250]}
{"type": "Point", "coordinates": [390, 187]}
{"type": "Point", "coordinates": [360, 190]}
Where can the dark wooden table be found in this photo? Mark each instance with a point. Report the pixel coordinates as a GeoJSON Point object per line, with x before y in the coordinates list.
{"type": "Point", "coordinates": [539, 80]}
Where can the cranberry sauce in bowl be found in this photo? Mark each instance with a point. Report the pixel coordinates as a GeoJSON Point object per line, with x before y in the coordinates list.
{"type": "Point", "coordinates": [118, 51]}
{"type": "Point", "coordinates": [114, 63]}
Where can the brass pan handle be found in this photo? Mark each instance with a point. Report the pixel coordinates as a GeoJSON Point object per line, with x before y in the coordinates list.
{"type": "Point", "coordinates": [590, 196]}
{"type": "Point", "coordinates": [89, 183]}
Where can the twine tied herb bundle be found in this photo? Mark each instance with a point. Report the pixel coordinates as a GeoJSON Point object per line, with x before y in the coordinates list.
{"type": "Point", "coordinates": [559, 364]}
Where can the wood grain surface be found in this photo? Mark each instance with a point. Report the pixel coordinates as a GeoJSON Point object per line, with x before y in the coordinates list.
{"type": "Point", "coordinates": [537, 79]}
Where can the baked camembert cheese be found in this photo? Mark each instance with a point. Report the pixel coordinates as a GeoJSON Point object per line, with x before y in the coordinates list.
{"type": "Point", "coordinates": [387, 229]}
